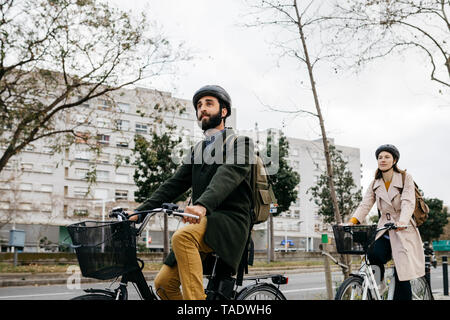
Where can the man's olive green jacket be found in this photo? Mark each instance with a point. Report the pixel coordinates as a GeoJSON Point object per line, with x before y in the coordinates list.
{"type": "Point", "coordinates": [223, 188]}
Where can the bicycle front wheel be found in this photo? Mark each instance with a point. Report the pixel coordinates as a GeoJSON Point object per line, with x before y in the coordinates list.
{"type": "Point", "coordinates": [420, 289]}
{"type": "Point", "coordinates": [351, 289]}
{"type": "Point", "coordinates": [260, 291]}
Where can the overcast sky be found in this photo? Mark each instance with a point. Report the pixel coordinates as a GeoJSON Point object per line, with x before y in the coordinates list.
{"type": "Point", "coordinates": [390, 101]}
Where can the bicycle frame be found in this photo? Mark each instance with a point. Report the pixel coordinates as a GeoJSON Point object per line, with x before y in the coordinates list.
{"type": "Point", "coordinates": [367, 275]}
{"type": "Point", "coordinates": [370, 283]}
{"type": "Point", "coordinates": [218, 287]}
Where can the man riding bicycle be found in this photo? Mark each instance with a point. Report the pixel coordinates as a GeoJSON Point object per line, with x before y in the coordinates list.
{"type": "Point", "coordinates": [221, 198]}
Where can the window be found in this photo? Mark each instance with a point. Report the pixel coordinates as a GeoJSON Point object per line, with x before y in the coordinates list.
{"type": "Point", "coordinates": [141, 128]}
{"type": "Point", "coordinates": [122, 143]}
{"type": "Point", "coordinates": [123, 107]}
{"type": "Point", "coordinates": [121, 195]}
{"type": "Point", "coordinates": [26, 186]}
{"type": "Point", "coordinates": [81, 173]}
{"type": "Point", "coordinates": [103, 123]}
{"type": "Point", "coordinates": [103, 138]}
{"type": "Point", "coordinates": [103, 158]}
{"type": "Point", "coordinates": [122, 177]}
{"type": "Point", "coordinates": [48, 150]}
{"type": "Point", "coordinates": [84, 155]}
{"type": "Point", "coordinates": [4, 205]}
{"type": "Point", "coordinates": [81, 211]}
{"type": "Point", "coordinates": [81, 137]}
{"type": "Point", "coordinates": [4, 185]}
{"type": "Point", "coordinates": [123, 125]}
{"type": "Point", "coordinates": [81, 118]}
{"type": "Point", "coordinates": [80, 192]}
{"type": "Point", "coordinates": [47, 207]}
{"type": "Point", "coordinates": [104, 104]}
{"type": "Point", "coordinates": [47, 188]}
{"type": "Point", "coordinates": [25, 206]}
{"type": "Point", "coordinates": [27, 166]}
{"type": "Point", "coordinates": [102, 175]}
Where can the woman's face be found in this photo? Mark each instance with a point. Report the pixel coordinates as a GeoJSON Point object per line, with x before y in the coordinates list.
{"type": "Point", "coordinates": [385, 161]}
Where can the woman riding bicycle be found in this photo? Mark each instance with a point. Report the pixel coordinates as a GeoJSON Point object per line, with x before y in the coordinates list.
{"type": "Point", "coordinates": [395, 203]}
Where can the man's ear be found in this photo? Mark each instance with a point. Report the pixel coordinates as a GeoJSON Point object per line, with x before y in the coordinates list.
{"type": "Point", "coordinates": [224, 112]}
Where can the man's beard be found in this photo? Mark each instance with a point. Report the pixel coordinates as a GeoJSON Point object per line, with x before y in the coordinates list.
{"type": "Point", "coordinates": [211, 122]}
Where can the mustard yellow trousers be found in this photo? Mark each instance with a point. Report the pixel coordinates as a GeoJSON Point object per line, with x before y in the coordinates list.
{"type": "Point", "coordinates": [189, 247]}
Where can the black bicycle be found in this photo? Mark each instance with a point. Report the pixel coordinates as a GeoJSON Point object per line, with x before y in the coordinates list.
{"type": "Point", "coordinates": [107, 250]}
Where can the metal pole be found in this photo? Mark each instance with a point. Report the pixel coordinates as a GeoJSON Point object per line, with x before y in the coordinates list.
{"type": "Point", "coordinates": [445, 274]}
{"type": "Point", "coordinates": [427, 269]}
{"type": "Point", "coordinates": [15, 257]}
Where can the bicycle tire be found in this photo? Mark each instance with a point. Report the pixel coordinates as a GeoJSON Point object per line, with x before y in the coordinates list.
{"type": "Point", "coordinates": [351, 289]}
{"type": "Point", "coordinates": [421, 289]}
{"type": "Point", "coordinates": [93, 296]}
{"type": "Point", "coordinates": [260, 291]}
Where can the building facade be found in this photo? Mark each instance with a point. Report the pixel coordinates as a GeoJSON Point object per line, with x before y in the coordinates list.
{"type": "Point", "coordinates": [42, 190]}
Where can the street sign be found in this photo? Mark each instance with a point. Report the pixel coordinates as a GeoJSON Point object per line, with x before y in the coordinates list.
{"type": "Point", "coordinates": [17, 238]}
{"type": "Point", "coordinates": [273, 208]}
{"type": "Point", "coordinates": [325, 238]}
{"type": "Point", "coordinates": [441, 245]}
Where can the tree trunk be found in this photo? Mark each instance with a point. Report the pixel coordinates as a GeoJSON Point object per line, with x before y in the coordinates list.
{"type": "Point", "coordinates": [271, 248]}
{"type": "Point", "coordinates": [337, 214]}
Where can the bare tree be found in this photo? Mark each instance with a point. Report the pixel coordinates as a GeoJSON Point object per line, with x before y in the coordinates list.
{"type": "Point", "coordinates": [56, 55]}
{"type": "Point", "coordinates": [304, 23]}
{"type": "Point", "coordinates": [376, 29]}
{"type": "Point", "coordinates": [300, 20]}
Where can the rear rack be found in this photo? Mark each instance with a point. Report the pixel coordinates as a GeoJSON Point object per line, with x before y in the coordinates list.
{"type": "Point", "coordinates": [276, 278]}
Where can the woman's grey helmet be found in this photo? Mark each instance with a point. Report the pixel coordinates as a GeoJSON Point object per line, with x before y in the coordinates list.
{"type": "Point", "coordinates": [388, 148]}
{"type": "Point", "coordinates": [214, 91]}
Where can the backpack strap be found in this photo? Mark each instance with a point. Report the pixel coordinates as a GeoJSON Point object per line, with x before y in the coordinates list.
{"type": "Point", "coordinates": [403, 180]}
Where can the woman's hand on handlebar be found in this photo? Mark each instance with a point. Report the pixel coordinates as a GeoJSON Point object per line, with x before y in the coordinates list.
{"type": "Point", "coordinates": [400, 226]}
{"type": "Point", "coordinates": [197, 210]}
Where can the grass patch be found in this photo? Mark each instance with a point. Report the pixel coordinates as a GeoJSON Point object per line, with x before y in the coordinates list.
{"type": "Point", "coordinates": [6, 267]}
{"type": "Point", "coordinates": [33, 268]}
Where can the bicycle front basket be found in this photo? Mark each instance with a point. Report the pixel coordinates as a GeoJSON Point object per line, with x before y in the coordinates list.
{"type": "Point", "coordinates": [105, 250]}
{"type": "Point", "coordinates": [353, 239]}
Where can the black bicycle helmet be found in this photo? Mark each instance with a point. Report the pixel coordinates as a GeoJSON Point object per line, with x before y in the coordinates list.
{"type": "Point", "coordinates": [215, 91]}
{"type": "Point", "coordinates": [388, 148]}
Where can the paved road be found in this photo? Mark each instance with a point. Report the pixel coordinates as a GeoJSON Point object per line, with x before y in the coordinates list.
{"type": "Point", "coordinates": [301, 286]}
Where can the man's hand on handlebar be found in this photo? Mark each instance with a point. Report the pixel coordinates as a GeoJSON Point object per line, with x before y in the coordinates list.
{"type": "Point", "coordinates": [132, 218]}
{"type": "Point", "coordinates": [197, 210]}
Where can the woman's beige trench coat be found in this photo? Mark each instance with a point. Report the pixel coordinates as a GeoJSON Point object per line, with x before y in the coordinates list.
{"type": "Point", "coordinates": [407, 247]}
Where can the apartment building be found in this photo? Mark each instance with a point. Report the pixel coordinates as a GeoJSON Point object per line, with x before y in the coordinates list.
{"type": "Point", "coordinates": [301, 227]}
{"type": "Point", "coordinates": [42, 191]}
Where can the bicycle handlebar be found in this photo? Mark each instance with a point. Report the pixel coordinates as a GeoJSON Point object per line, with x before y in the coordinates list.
{"type": "Point", "coordinates": [389, 226]}
{"type": "Point", "coordinates": [167, 208]}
